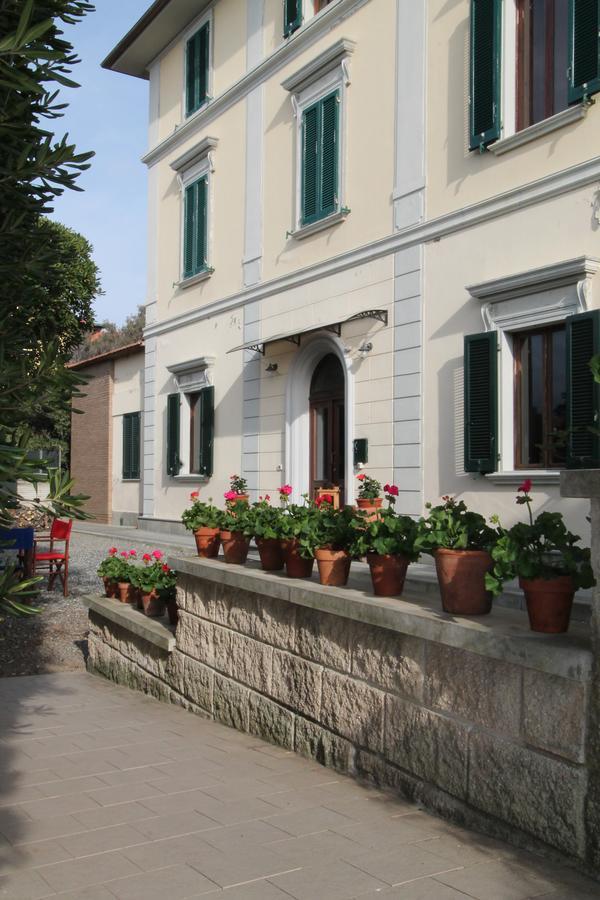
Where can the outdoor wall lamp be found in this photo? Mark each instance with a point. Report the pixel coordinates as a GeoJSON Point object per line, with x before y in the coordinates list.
{"type": "Point", "coordinates": [365, 348]}
{"type": "Point", "coordinates": [271, 368]}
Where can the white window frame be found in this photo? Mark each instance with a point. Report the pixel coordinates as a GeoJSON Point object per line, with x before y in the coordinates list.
{"type": "Point", "coordinates": [514, 304]}
{"type": "Point", "coordinates": [328, 73]}
{"type": "Point", "coordinates": [196, 25]}
{"type": "Point", "coordinates": [190, 378]}
{"type": "Point", "coordinates": [193, 165]}
{"type": "Point", "coordinates": [509, 136]}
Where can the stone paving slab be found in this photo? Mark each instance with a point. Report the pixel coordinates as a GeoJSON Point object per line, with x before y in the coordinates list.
{"type": "Point", "coordinates": [106, 793]}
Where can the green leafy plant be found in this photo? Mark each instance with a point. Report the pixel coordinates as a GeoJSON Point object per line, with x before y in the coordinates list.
{"type": "Point", "coordinates": [239, 517]}
{"type": "Point", "coordinates": [369, 488]}
{"type": "Point", "coordinates": [237, 486]}
{"type": "Point", "coordinates": [540, 548]}
{"type": "Point", "coordinates": [200, 514]}
{"type": "Point", "coordinates": [334, 529]}
{"type": "Point", "coordinates": [267, 519]}
{"type": "Point", "coordinates": [111, 566]}
{"type": "Point", "coordinates": [389, 534]}
{"type": "Point", "coordinates": [297, 524]}
{"type": "Point", "coordinates": [452, 526]}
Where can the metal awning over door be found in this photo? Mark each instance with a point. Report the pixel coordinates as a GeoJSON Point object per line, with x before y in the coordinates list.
{"type": "Point", "coordinates": [295, 336]}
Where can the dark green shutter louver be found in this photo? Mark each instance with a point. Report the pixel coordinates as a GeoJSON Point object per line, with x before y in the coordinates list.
{"type": "Point", "coordinates": [481, 401]}
{"type": "Point", "coordinates": [207, 430]}
{"type": "Point", "coordinates": [584, 48]}
{"type": "Point", "coordinates": [196, 69]}
{"type": "Point", "coordinates": [583, 393]}
{"type": "Point", "coordinates": [485, 73]}
{"type": "Point", "coordinates": [329, 155]}
{"type": "Point", "coordinates": [173, 461]}
{"type": "Point", "coordinates": [292, 16]}
{"type": "Point", "coordinates": [310, 164]}
{"type": "Point", "coordinates": [195, 228]}
{"type": "Point", "coordinates": [320, 159]}
{"type": "Point", "coordinates": [131, 445]}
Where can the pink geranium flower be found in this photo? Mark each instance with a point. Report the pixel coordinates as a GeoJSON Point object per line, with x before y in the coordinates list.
{"type": "Point", "coordinates": [157, 554]}
{"type": "Point", "coordinates": [230, 495]}
{"type": "Point", "coordinates": [133, 552]}
{"type": "Point", "coordinates": [286, 490]}
{"type": "Point", "coordinates": [391, 489]}
{"type": "Point", "coordinates": [526, 486]}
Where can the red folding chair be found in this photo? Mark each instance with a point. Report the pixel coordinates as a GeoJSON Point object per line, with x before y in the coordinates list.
{"type": "Point", "coordinates": [55, 561]}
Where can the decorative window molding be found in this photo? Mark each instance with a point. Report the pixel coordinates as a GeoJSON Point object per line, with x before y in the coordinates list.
{"type": "Point", "coordinates": [539, 296]}
{"type": "Point", "coordinates": [321, 65]}
{"type": "Point", "coordinates": [515, 303]}
{"type": "Point", "coordinates": [194, 374]}
{"type": "Point", "coordinates": [305, 231]}
{"type": "Point", "coordinates": [198, 154]}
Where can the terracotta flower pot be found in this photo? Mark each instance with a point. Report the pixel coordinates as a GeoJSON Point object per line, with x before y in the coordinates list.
{"type": "Point", "coordinates": [387, 573]}
{"type": "Point", "coordinates": [271, 554]}
{"type": "Point", "coordinates": [369, 502]}
{"type": "Point", "coordinates": [235, 547]}
{"type": "Point", "coordinates": [153, 604]}
{"type": "Point", "coordinates": [111, 588]}
{"type": "Point", "coordinates": [461, 576]}
{"type": "Point", "coordinates": [138, 599]}
{"type": "Point", "coordinates": [296, 566]}
{"type": "Point", "coordinates": [172, 610]}
{"type": "Point", "coordinates": [126, 592]}
{"type": "Point", "coordinates": [334, 566]}
{"type": "Point", "coordinates": [207, 542]}
{"type": "Point", "coordinates": [549, 602]}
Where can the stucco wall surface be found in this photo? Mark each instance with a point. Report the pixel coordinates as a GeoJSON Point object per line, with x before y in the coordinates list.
{"type": "Point", "coordinates": [128, 394]}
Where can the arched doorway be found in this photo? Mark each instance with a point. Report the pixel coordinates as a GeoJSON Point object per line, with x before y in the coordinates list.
{"type": "Point", "coordinates": [328, 426]}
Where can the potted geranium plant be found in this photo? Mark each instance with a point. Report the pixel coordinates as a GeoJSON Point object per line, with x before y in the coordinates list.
{"type": "Point", "coordinates": [109, 571]}
{"type": "Point", "coordinates": [166, 585]}
{"type": "Point", "coordinates": [204, 520]}
{"type": "Point", "coordinates": [368, 493]}
{"type": "Point", "coordinates": [388, 540]}
{"type": "Point", "coordinates": [124, 572]}
{"type": "Point", "coordinates": [549, 563]}
{"type": "Point", "coordinates": [296, 531]}
{"type": "Point", "coordinates": [238, 490]}
{"type": "Point", "coordinates": [334, 540]}
{"type": "Point", "coordinates": [237, 527]}
{"type": "Point", "coordinates": [267, 534]}
{"type": "Point", "coordinates": [460, 542]}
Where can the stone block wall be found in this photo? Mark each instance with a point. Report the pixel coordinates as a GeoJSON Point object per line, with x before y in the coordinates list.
{"type": "Point", "coordinates": [492, 743]}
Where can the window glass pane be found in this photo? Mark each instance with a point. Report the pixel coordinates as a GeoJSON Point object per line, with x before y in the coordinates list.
{"type": "Point", "coordinates": [195, 432]}
{"type": "Point", "coordinates": [561, 54]}
{"type": "Point", "coordinates": [542, 47]}
{"type": "Point", "coordinates": [321, 443]}
{"type": "Point", "coordinates": [559, 394]}
{"type": "Point", "coordinates": [532, 399]}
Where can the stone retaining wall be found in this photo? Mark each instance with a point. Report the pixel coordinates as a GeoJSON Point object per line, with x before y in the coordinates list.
{"type": "Point", "coordinates": [493, 742]}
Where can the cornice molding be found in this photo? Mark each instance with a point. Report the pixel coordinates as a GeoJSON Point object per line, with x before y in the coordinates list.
{"type": "Point", "coordinates": [312, 31]}
{"type": "Point", "coordinates": [322, 64]}
{"type": "Point", "coordinates": [195, 155]}
{"type": "Point", "coordinates": [546, 278]}
{"type": "Point", "coordinates": [516, 199]}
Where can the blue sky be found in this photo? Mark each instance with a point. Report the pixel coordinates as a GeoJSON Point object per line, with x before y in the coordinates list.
{"type": "Point", "coordinates": [109, 114]}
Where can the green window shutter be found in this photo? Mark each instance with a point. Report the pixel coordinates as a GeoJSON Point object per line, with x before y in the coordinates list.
{"type": "Point", "coordinates": [485, 74]}
{"type": "Point", "coordinates": [584, 48]}
{"type": "Point", "coordinates": [207, 430]}
{"type": "Point", "coordinates": [173, 461]}
{"type": "Point", "coordinates": [310, 164]}
{"type": "Point", "coordinates": [131, 445]}
{"type": "Point", "coordinates": [583, 393]}
{"type": "Point", "coordinates": [292, 16]}
{"type": "Point", "coordinates": [135, 444]}
{"type": "Point", "coordinates": [320, 159]}
{"type": "Point", "coordinates": [196, 69]}
{"type": "Point", "coordinates": [195, 227]}
{"type": "Point", "coordinates": [481, 402]}
{"type": "Point", "coordinates": [329, 154]}
{"type": "Point", "coordinates": [127, 446]}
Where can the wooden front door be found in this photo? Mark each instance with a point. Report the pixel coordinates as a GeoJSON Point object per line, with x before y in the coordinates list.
{"type": "Point", "coordinates": [328, 426]}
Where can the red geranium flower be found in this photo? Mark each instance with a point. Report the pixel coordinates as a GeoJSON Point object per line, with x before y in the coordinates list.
{"type": "Point", "coordinates": [194, 495]}
{"type": "Point", "coordinates": [526, 486]}
{"type": "Point", "coordinates": [391, 489]}
{"type": "Point", "coordinates": [112, 551]}
{"type": "Point", "coordinates": [286, 490]}
{"type": "Point", "coordinates": [324, 498]}
{"type": "Point", "coordinates": [147, 558]}
{"type": "Point", "coordinates": [165, 568]}
{"type": "Point", "coordinates": [361, 477]}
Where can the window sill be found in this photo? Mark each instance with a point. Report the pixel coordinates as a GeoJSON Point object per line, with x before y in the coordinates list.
{"type": "Point", "coordinates": [306, 230]}
{"type": "Point", "coordinates": [547, 126]}
{"type": "Point", "coordinates": [130, 480]}
{"type": "Point", "coordinates": [194, 279]}
{"type": "Point", "coordinates": [187, 477]}
{"type": "Point", "coordinates": [538, 476]}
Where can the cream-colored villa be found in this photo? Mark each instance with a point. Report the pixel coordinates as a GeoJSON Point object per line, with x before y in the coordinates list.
{"type": "Point", "coordinates": [374, 238]}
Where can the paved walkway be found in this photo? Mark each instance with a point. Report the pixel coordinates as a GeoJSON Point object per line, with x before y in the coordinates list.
{"type": "Point", "coordinates": [105, 794]}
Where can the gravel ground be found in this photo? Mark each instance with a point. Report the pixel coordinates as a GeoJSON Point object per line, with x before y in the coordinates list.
{"type": "Point", "coordinates": [55, 640]}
